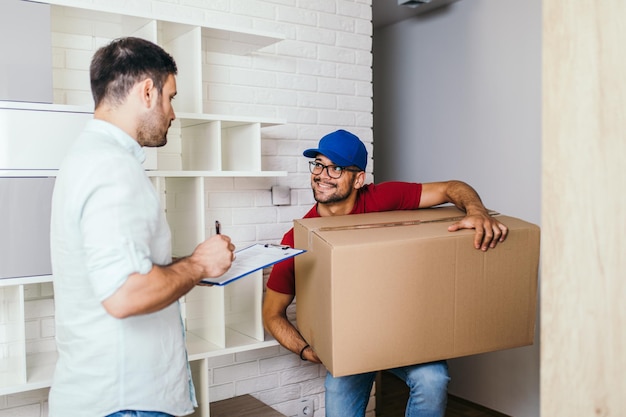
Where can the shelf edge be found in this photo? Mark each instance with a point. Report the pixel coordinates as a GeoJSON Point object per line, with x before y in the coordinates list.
{"type": "Point", "coordinates": [37, 279]}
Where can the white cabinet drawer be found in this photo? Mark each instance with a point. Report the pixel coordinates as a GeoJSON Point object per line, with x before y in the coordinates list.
{"type": "Point", "coordinates": [25, 226]}
{"type": "Point", "coordinates": [33, 139]}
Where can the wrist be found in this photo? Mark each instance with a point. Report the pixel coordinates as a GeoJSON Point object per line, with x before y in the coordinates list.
{"type": "Point", "coordinates": [476, 210]}
{"type": "Point", "coordinates": [307, 346]}
{"type": "Point", "coordinates": [187, 270]}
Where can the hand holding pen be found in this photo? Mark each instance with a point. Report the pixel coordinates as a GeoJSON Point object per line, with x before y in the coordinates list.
{"type": "Point", "coordinates": [218, 232]}
{"type": "Point", "coordinates": [215, 255]}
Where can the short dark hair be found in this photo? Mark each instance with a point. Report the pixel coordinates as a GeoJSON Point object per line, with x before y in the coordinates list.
{"type": "Point", "coordinates": [118, 66]}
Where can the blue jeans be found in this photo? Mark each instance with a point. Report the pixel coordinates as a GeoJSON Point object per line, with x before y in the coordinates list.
{"type": "Point", "coordinates": [428, 391]}
{"type": "Point", "coordinates": [134, 413]}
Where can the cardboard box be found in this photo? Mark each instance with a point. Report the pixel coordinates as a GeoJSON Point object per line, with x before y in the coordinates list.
{"type": "Point", "coordinates": [381, 290]}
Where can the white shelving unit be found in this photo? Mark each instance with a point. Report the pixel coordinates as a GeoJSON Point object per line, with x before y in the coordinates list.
{"type": "Point", "coordinates": [207, 144]}
{"type": "Point", "coordinates": [19, 371]}
{"type": "Point", "coordinates": [35, 136]}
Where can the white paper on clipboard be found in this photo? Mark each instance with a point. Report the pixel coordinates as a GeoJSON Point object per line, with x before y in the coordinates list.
{"type": "Point", "coordinates": [253, 258]}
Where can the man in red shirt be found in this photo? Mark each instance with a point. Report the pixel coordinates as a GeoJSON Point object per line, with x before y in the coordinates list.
{"type": "Point", "coordinates": [338, 183]}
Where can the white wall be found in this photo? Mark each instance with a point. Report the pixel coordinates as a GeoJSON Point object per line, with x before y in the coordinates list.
{"type": "Point", "coordinates": [318, 79]}
{"type": "Point", "coordinates": [457, 95]}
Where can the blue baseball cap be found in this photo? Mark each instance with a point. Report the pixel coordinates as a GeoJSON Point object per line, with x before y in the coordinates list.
{"type": "Point", "coordinates": [343, 148]}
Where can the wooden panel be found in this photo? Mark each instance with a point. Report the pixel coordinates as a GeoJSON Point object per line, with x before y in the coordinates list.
{"type": "Point", "coordinates": [242, 406]}
{"type": "Point", "coordinates": [583, 360]}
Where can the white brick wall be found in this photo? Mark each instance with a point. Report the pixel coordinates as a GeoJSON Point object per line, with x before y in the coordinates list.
{"type": "Point", "coordinates": [318, 79]}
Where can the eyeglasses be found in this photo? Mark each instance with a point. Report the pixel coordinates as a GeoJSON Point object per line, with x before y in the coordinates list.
{"type": "Point", "coordinates": [333, 171]}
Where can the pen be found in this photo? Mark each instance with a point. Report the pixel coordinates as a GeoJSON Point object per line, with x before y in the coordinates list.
{"type": "Point", "coordinates": [218, 227]}
{"type": "Point", "coordinates": [274, 245]}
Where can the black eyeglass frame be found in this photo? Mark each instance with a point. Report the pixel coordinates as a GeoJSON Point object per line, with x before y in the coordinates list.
{"type": "Point", "coordinates": [316, 168]}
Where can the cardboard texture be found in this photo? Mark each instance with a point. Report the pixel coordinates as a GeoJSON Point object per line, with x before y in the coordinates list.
{"type": "Point", "coordinates": [381, 290]}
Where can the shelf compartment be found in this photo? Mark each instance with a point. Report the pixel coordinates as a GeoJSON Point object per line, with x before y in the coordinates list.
{"type": "Point", "coordinates": [76, 35]}
{"type": "Point", "coordinates": [202, 147]}
{"type": "Point", "coordinates": [184, 210]}
{"type": "Point", "coordinates": [184, 43]}
{"type": "Point", "coordinates": [40, 369]}
{"type": "Point", "coordinates": [12, 345]}
{"type": "Point", "coordinates": [208, 143]}
{"type": "Point", "coordinates": [219, 317]}
{"type": "Point", "coordinates": [241, 146]}
{"type": "Point", "coordinates": [222, 146]}
{"type": "Point", "coordinates": [243, 308]}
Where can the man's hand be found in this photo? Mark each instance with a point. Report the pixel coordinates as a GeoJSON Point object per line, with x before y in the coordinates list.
{"type": "Point", "coordinates": [310, 355]}
{"type": "Point", "coordinates": [489, 231]}
{"type": "Point", "coordinates": [215, 256]}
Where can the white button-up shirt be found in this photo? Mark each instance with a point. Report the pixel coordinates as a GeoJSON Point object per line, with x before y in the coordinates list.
{"type": "Point", "coordinates": [107, 223]}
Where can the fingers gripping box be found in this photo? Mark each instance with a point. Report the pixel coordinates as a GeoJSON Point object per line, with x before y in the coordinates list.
{"type": "Point", "coordinates": [381, 290]}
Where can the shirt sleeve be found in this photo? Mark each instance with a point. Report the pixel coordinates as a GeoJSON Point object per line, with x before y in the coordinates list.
{"type": "Point", "coordinates": [282, 277]}
{"type": "Point", "coordinates": [117, 228]}
{"type": "Point", "coordinates": [388, 196]}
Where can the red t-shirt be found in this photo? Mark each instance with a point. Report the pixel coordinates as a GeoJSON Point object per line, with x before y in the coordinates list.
{"type": "Point", "coordinates": [386, 196]}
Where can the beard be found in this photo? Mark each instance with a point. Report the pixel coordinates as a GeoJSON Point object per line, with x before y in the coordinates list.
{"type": "Point", "coordinates": [329, 193]}
{"type": "Point", "coordinates": [152, 130]}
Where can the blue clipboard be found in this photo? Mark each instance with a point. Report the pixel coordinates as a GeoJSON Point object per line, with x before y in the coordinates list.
{"type": "Point", "coordinates": [253, 258]}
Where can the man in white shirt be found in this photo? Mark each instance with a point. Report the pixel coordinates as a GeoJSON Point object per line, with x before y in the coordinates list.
{"type": "Point", "coordinates": [119, 331]}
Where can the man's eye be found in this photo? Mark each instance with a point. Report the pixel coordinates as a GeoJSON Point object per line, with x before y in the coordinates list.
{"type": "Point", "coordinates": [319, 166]}
{"type": "Point", "coordinates": [337, 168]}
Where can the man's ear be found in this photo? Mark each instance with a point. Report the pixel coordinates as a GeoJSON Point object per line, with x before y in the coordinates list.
{"type": "Point", "coordinates": [359, 180]}
{"type": "Point", "coordinates": [149, 92]}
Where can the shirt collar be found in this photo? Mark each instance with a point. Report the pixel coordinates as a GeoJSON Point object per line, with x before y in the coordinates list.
{"type": "Point", "coordinates": [121, 137]}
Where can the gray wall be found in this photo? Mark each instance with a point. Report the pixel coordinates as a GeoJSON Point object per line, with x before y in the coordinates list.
{"type": "Point", "coordinates": [457, 95]}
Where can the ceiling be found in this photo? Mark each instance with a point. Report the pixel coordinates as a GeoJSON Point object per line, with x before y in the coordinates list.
{"type": "Point", "coordinates": [386, 12]}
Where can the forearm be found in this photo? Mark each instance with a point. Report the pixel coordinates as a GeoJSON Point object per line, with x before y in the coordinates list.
{"type": "Point", "coordinates": [147, 293]}
{"type": "Point", "coordinates": [278, 325]}
{"type": "Point", "coordinates": [290, 338]}
{"type": "Point", "coordinates": [285, 333]}
{"type": "Point", "coordinates": [464, 197]}
{"type": "Point", "coordinates": [488, 230]}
